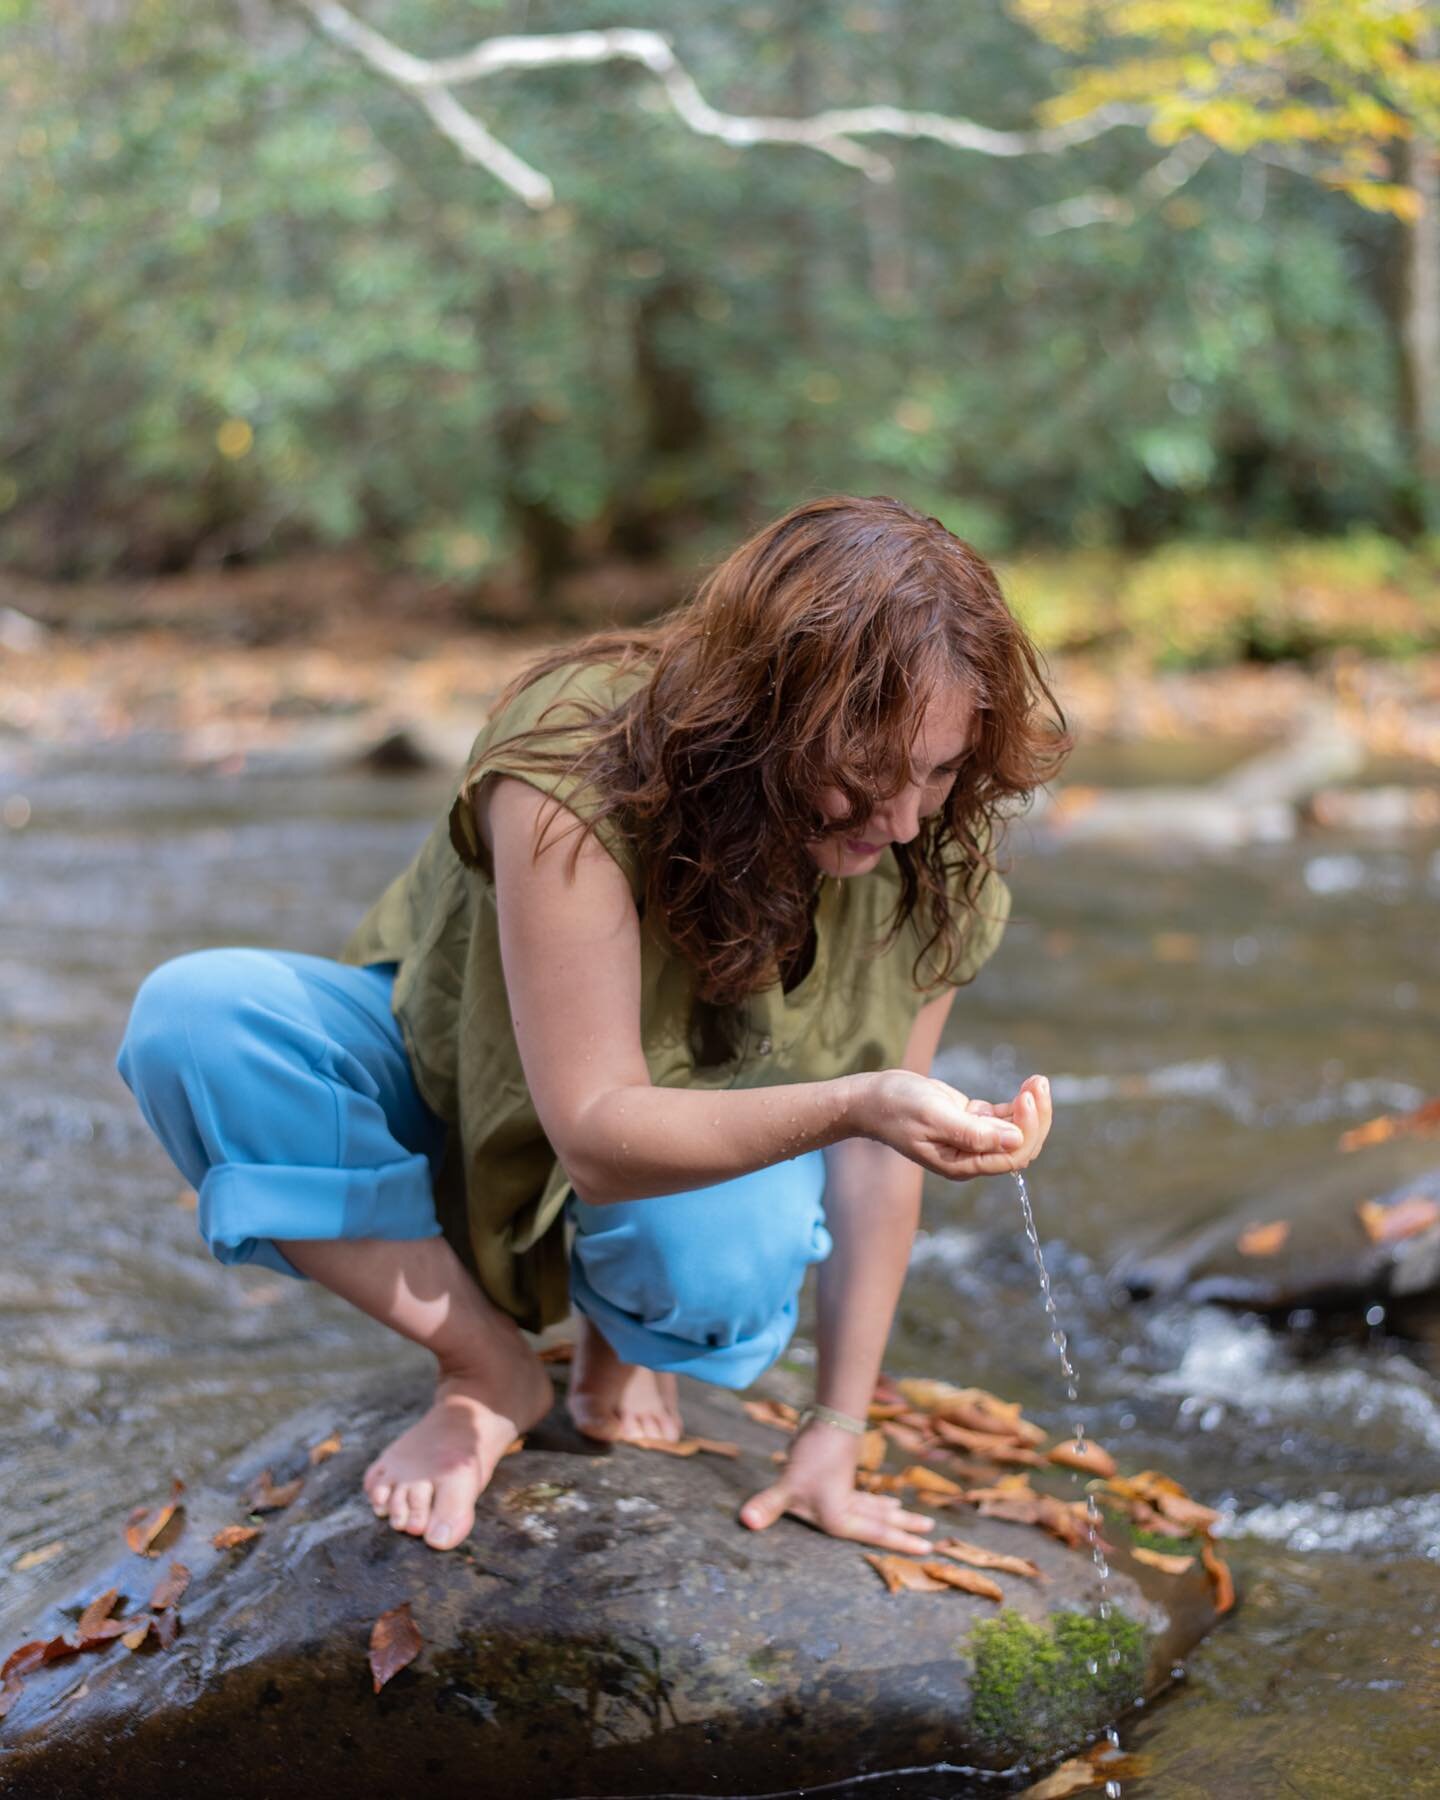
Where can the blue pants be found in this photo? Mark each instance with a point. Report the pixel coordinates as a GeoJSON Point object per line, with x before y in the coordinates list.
{"type": "Point", "coordinates": [280, 1087]}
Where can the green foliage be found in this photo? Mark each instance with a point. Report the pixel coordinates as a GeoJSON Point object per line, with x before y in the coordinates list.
{"type": "Point", "coordinates": [1192, 603]}
{"type": "Point", "coordinates": [1038, 1690]}
{"type": "Point", "coordinates": [263, 304]}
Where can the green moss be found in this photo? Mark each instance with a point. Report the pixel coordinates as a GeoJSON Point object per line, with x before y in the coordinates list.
{"type": "Point", "coordinates": [1036, 1691]}
{"type": "Point", "coordinates": [1167, 1546]}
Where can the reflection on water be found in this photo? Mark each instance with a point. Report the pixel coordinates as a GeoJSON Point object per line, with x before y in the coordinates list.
{"type": "Point", "coordinates": [1206, 1025]}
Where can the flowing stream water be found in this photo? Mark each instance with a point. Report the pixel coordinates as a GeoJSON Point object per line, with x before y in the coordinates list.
{"type": "Point", "coordinates": [1209, 1026]}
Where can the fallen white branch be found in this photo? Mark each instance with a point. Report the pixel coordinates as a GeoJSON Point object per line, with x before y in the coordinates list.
{"type": "Point", "coordinates": [832, 133]}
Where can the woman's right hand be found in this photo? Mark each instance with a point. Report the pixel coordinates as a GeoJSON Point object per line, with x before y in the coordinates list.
{"type": "Point", "coordinates": [935, 1125]}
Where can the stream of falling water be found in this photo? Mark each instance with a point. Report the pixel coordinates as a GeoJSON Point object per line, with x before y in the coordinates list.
{"type": "Point", "coordinates": [1072, 1394]}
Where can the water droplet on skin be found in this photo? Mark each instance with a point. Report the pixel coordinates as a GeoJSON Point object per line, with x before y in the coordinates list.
{"type": "Point", "coordinates": [1112, 1790]}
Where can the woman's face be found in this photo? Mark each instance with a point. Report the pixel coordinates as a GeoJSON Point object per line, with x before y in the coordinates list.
{"type": "Point", "coordinates": [941, 741]}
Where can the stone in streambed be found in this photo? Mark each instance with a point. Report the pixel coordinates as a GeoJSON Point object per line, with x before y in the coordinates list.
{"type": "Point", "coordinates": [608, 1628]}
{"type": "Point", "coordinates": [1327, 1262]}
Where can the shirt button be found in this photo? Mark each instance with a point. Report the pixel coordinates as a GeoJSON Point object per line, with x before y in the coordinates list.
{"type": "Point", "coordinates": [765, 1046]}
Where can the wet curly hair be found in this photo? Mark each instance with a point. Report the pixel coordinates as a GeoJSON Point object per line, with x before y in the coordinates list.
{"type": "Point", "coordinates": [803, 664]}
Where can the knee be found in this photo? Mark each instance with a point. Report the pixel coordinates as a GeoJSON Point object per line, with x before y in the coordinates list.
{"type": "Point", "coordinates": [179, 1010]}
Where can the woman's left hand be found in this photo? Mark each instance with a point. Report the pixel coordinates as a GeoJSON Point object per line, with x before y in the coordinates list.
{"type": "Point", "coordinates": [1029, 1111]}
{"type": "Point", "coordinates": [818, 1485]}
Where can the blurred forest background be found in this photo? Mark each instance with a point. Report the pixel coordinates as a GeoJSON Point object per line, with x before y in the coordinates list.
{"type": "Point", "coordinates": [1180, 375]}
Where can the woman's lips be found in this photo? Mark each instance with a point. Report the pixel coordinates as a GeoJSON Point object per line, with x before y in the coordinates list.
{"type": "Point", "coordinates": [861, 848]}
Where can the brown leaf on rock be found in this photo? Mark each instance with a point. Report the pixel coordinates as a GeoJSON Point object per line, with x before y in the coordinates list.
{"type": "Point", "coordinates": [326, 1448]}
{"type": "Point", "coordinates": [513, 1448]}
{"type": "Point", "coordinates": [1086, 1456]}
{"type": "Point", "coordinates": [170, 1587]}
{"type": "Point", "coordinates": [1047, 1512]}
{"type": "Point", "coordinates": [395, 1642]}
{"type": "Point", "coordinates": [263, 1495]}
{"type": "Point", "coordinates": [872, 1450]}
{"type": "Point", "coordinates": [900, 1574]}
{"type": "Point", "coordinates": [166, 1626]}
{"type": "Point", "coordinates": [1081, 1774]}
{"type": "Point", "coordinates": [95, 1614]}
{"type": "Point", "coordinates": [22, 1661]}
{"type": "Point", "coordinates": [929, 1481]}
{"type": "Point", "coordinates": [980, 1558]}
{"type": "Point", "coordinates": [886, 1393]}
{"type": "Point", "coordinates": [1220, 1576]}
{"type": "Point", "coordinates": [907, 1438]}
{"type": "Point", "coordinates": [9, 1693]}
{"type": "Point", "coordinates": [1263, 1240]}
{"type": "Point", "coordinates": [1419, 1123]}
{"type": "Point", "coordinates": [228, 1536]}
{"type": "Point", "coordinates": [871, 1481]}
{"type": "Point", "coordinates": [775, 1413]}
{"type": "Point", "coordinates": [1166, 1496]}
{"type": "Point", "coordinates": [147, 1526]}
{"type": "Point", "coordinates": [1158, 1559]}
{"type": "Point", "coordinates": [139, 1630]}
{"type": "Point", "coordinates": [32, 1559]}
{"type": "Point", "coordinates": [879, 1410]}
{"type": "Point", "coordinates": [986, 1444]}
{"type": "Point", "coordinates": [1402, 1219]}
{"type": "Point", "coordinates": [973, 1408]}
{"type": "Point", "coordinates": [969, 1581]}
{"type": "Point", "coordinates": [664, 1446]}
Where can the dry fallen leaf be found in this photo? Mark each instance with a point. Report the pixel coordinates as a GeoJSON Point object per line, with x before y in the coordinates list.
{"type": "Point", "coordinates": [1420, 1123]}
{"type": "Point", "coordinates": [10, 1692]}
{"type": "Point", "coordinates": [263, 1495]}
{"type": "Point", "coordinates": [1081, 1774]}
{"type": "Point", "coordinates": [170, 1587]}
{"type": "Point", "coordinates": [986, 1444]}
{"type": "Point", "coordinates": [166, 1626]}
{"type": "Point", "coordinates": [395, 1641]}
{"type": "Point", "coordinates": [871, 1481]}
{"type": "Point", "coordinates": [557, 1353]}
{"type": "Point", "coordinates": [96, 1615]}
{"type": "Point", "coordinates": [138, 1632]}
{"type": "Point", "coordinates": [513, 1448]}
{"type": "Point", "coordinates": [980, 1558]}
{"type": "Point", "coordinates": [1220, 1576]}
{"type": "Point", "coordinates": [1263, 1240]}
{"type": "Point", "coordinates": [901, 1575]}
{"type": "Point", "coordinates": [1158, 1559]}
{"type": "Point", "coordinates": [908, 1438]}
{"type": "Point", "coordinates": [147, 1526]}
{"type": "Point", "coordinates": [1402, 1219]}
{"type": "Point", "coordinates": [1088, 1457]}
{"type": "Point", "coordinates": [1166, 1497]}
{"type": "Point", "coordinates": [22, 1661]}
{"type": "Point", "coordinates": [686, 1446]}
{"type": "Point", "coordinates": [927, 1481]}
{"type": "Point", "coordinates": [327, 1447]}
{"type": "Point", "coordinates": [772, 1412]}
{"type": "Point", "coordinates": [32, 1559]}
{"type": "Point", "coordinates": [228, 1536]}
{"type": "Point", "coordinates": [872, 1450]}
{"type": "Point", "coordinates": [969, 1581]}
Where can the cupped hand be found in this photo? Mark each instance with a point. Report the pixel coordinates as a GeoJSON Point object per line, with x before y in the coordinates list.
{"type": "Point", "coordinates": [818, 1485]}
{"type": "Point", "coordinates": [950, 1134]}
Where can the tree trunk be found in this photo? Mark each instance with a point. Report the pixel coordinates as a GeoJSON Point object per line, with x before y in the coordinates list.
{"type": "Point", "coordinates": [1420, 329]}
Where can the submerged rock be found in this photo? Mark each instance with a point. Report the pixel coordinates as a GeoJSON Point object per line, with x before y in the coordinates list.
{"type": "Point", "coordinates": [1324, 1261]}
{"type": "Point", "coordinates": [608, 1628]}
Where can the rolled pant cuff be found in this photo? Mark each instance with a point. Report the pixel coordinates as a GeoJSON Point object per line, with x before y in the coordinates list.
{"type": "Point", "coordinates": [245, 1205]}
{"type": "Point", "coordinates": [723, 1365]}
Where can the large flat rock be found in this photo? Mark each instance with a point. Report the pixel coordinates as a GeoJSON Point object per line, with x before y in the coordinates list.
{"type": "Point", "coordinates": [609, 1628]}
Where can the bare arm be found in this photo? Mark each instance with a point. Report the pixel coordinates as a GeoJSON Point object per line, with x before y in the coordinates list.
{"type": "Point", "coordinates": [570, 945]}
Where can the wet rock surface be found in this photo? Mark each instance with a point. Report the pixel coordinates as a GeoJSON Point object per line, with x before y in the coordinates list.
{"type": "Point", "coordinates": [608, 1628]}
{"type": "Point", "coordinates": [1326, 1261]}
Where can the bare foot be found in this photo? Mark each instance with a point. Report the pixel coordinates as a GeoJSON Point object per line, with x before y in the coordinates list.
{"type": "Point", "coordinates": [611, 1400]}
{"type": "Point", "coordinates": [426, 1482]}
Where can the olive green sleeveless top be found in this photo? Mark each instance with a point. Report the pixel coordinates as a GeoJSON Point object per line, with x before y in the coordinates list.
{"type": "Point", "coordinates": [502, 1192]}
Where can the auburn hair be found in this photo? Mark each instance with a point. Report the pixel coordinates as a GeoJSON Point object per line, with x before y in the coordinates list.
{"type": "Point", "coordinates": [803, 663]}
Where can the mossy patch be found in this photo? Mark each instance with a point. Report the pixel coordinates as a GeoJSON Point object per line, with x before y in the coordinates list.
{"type": "Point", "coordinates": [1167, 1546]}
{"type": "Point", "coordinates": [1037, 1690]}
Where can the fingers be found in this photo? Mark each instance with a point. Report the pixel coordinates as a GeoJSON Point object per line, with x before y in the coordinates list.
{"type": "Point", "coordinates": [881, 1520]}
{"type": "Point", "coordinates": [761, 1510]}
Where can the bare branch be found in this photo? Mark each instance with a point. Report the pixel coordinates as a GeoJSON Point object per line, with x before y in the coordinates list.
{"type": "Point", "coordinates": [832, 133]}
{"type": "Point", "coordinates": [1159, 181]}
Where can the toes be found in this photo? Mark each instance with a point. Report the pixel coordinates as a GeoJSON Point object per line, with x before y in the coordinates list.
{"type": "Point", "coordinates": [380, 1498]}
{"type": "Point", "coordinates": [452, 1514]}
{"type": "Point", "coordinates": [420, 1496]}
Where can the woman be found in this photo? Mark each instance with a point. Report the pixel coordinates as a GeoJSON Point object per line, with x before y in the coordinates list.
{"type": "Point", "coordinates": [647, 1024]}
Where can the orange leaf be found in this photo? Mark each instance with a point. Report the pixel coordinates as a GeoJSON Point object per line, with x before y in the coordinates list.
{"type": "Point", "coordinates": [557, 1353]}
{"type": "Point", "coordinates": [970, 1581]}
{"type": "Point", "coordinates": [908, 1438]}
{"type": "Point", "coordinates": [772, 1412]}
{"type": "Point", "coordinates": [22, 1661]}
{"type": "Point", "coordinates": [263, 1495]}
{"type": "Point", "coordinates": [1087, 1457]}
{"type": "Point", "coordinates": [900, 1574]}
{"type": "Point", "coordinates": [138, 1632]}
{"type": "Point", "coordinates": [871, 1481]}
{"type": "Point", "coordinates": [170, 1587]}
{"type": "Point", "coordinates": [327, 1447]}
{"type": "Point", "coordinates": [985, 1443]}
{"type": "Point", "coordinates": [926, 1481]}
{"type": "Point", "coordinates": [981, 1558]}
{"type": "Point", "coordinates": [872, 1450]}
{"type": "Point", "coordinates": [1157, 1559]}
{"type": "Point", "coordinates": [1263, 1240]}
{"type": "Point", "coordinates": [1402, 1219]}
{"type": "Point", "coordinates": [395, 1641]}
{"type": "Point", "coordinates": [228, 1536]}
{"type": "Point", "coordinates": [166, 1626]}
{"type": "Point", "coordinates": [95, 1614]}
{"type": "Point", "coordinates": [1421, 1122]}
{"type": "Point", "coordinates": [146, 1525]}
{"type": "Point", "coordinates": [1219, 1575]}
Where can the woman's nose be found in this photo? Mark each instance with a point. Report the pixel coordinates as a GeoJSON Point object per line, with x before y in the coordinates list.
{"type": "Point", "coordinates": [900, 815]}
